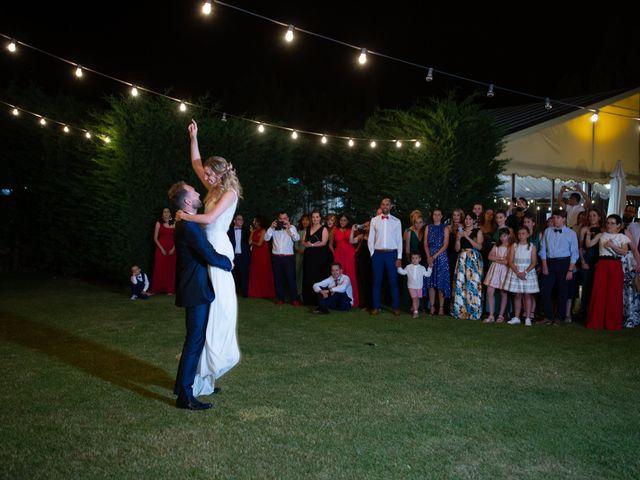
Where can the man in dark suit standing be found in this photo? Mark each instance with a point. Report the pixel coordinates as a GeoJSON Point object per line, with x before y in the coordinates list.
{"type": "Point", "coordinates": [193, 290]}
{"type": "Point", "coordinates": [239, 236]}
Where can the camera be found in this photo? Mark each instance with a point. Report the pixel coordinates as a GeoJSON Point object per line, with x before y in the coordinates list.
{"type": "Point", "coordinates": [361, 227]}
{"type": "Point", "coordinates": [279, 225]}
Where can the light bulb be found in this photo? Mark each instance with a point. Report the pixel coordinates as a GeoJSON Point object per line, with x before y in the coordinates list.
{"type": "Point", "coordinates": [373, 144]}
{"type": "Point", "coordinates": [547, 104]}
{"type": "Point", "coordinates": [363, 56]}
{"type": "Point", "coordinates": [294, 134]}
{"type": "Point", "coordinates": [224, 116]}
{"type": "Point", "coordinates": [594, 117]}
{"type": "Point", "coordinates": [107, 139]}
{"type": "Point", "coordinates": [11, 46]}
{"type": "Point", "coordinates": [183, 107]}
{"type": "Point", "coordinates": [538, 208]}
{"type": "Point", "coordinates": [323, 139]}
{"type": "Point", "coordinates": [429, 76]}
{"type": "Point", "coordinates": [15, 112]}
{"type": "Point", "coordinates": [289, 35]}
{"type": "Point", "coordinates": [43, 122]}
{"type": "Point", "coordinates": [65, 129]}
{"type": "Point", "coordinates": [418, 144]}
{"type": "Point", "coordinates": [490, 91]}
{"type": "Point", "coordinates": [206, 7]}
{"type": "Point", "coordinates": [79, 72]}
{"type": "Point", "coordinates": [261, 128]}
{"type": "Point", "coordinates": [398, 143]}
{"type": "Point", "coordinates": [351, 143]}
{"type": "Point", "coordinates": [134, 91]}
{"type": "Point", "coordinates": [88, 135]}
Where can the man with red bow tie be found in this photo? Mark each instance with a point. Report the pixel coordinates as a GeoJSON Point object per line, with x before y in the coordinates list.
{"type": "Point", "coordinates": [385, 245]}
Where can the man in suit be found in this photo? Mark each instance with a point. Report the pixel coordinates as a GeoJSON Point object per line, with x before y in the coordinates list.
{"type": "Point", "coordinates": [193, 290]}
{"type": "Point", "coordinates": [239, 237]}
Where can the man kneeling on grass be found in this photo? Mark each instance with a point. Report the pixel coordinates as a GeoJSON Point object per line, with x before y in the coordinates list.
{"type": "Point", "coordinates": [334, 292]}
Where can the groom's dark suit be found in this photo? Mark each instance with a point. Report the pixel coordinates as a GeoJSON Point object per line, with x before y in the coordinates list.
{"type": "Point", "coordinates": [193, 291]}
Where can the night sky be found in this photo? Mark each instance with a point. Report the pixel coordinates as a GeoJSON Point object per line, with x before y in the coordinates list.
{"type": "Point", "coordinates": [313, 84]}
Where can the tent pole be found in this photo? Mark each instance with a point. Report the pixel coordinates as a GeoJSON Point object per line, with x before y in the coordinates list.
{"type": "Point", "coordinates": [553, 193]}
{"type": "Point", "coordinates": [513, 185]}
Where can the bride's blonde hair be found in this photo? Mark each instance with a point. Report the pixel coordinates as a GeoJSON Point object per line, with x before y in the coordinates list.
{"type": "Point", "coordinates": [228, 178]}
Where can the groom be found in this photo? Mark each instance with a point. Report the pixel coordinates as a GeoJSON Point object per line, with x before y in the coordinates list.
{"type": "Point", "coordinates": [193, 290]}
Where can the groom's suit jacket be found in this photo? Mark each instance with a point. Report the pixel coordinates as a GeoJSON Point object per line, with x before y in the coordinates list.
{"type": "Point", "coordinates": [194, 253]}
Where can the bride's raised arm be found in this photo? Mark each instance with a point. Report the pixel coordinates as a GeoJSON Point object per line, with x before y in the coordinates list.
{"type": "Point", "coordinates": [196, 159]}
{"type": "Point", "coordinates": [225, 201]}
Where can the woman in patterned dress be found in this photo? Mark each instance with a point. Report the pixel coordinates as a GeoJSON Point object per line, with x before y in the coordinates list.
{"type": "Point", "coordinates": [467, 302]}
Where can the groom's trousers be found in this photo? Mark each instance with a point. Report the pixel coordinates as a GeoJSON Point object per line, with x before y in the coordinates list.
{"type": "Point", "coordinates": [196, 323]}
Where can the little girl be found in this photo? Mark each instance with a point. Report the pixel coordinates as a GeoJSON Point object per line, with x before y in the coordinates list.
{"type": "Point", "coordinates": [522, 278]}
{"type": "Point", "coordinates": [497, 274]}
{"type": "Point", "coordinates": [415, 279]}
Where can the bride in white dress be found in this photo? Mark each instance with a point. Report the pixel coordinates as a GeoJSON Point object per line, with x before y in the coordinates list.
{"type": "Point", "coordinates": [221, 352]}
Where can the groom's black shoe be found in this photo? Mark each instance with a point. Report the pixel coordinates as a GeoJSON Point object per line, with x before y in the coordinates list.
{"type": "Point", "coordinates": [216, 390]}
{"type": "Point", "coordinates": [192, 404]}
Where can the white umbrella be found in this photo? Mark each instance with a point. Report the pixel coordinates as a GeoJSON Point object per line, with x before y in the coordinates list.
{"type": "Point", "coordinates": [618, 191]}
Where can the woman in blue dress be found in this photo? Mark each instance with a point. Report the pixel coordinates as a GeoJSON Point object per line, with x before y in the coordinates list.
{"type": "Point", "coordinates": [436, 242]}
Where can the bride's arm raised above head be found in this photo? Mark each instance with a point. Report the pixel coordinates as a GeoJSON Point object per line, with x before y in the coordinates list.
{"type": "Point", "coordinates": [196, 159]}
{"type": "Point", "coordinates": [225, 201]}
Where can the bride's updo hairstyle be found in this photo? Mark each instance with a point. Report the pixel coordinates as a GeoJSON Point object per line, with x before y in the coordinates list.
{"type": "Point", "coordinates": [228, 178]}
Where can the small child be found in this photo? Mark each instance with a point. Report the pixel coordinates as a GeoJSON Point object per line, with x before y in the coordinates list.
{"type": "Point", "coordinates": [139, 284]}
{"type": "Point", "coordinates": [497, 274]}
{"type": "Point", "coordinates": [522, 278]}
{"type": "Point", "coordinates": [415, 279]}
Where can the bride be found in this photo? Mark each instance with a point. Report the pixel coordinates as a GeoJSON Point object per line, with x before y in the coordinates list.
{"type": "Point", "coordinates": [221, 352]}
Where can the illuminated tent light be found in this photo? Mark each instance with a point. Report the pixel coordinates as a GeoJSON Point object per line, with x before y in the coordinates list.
{"type": "Point", "coordinates": [11, 46]}
{"type": "Point", "coordinates": [398, 144]}
{"type": "Point", "coordinates": [547, 103]}
{"type": "Point", "coordinates": [490, 91]}
{"type": "Point", "coordinates": [429, 77]}
{"type": "Point", "coordinates": [183, 107]}
{"type": "Point", "coordinates": [43, 122]}
{"type": "Point", "coordinates": [207, 8]}
{"type": "Point", "coordinates": [608, 186]}
{"type": "Point", "coordinates": [261, 128]}
{"type": "Point", "coordinates": [323, 139]}
{"type": "Point", "coordinates": [373, 144]}
{"type": "Point", "coordinates": [15, 112]}
{"type": "Point", "coordinates": [362, 59]}
{"type": "Point", "coordinates": [65, 129]}
{"type": "Point", "coordinates": [134, 91]}
{"type": "Point", "coordinates": [351, 143]}
{"type": "Point", "coordinates": [538, 208]}
{"type": "Point", "coordinates": [79, 72]}
{"type": "Point", "coordinates": [594, 117]}
{"type": "Point", "coordinates": [294, 135]}
{"type": "Point", "coordinates": [87, 135]}
{"type": "Point", "coordinates": [418, 144]}
{"type": "Point", "coordinates": [289, 35]}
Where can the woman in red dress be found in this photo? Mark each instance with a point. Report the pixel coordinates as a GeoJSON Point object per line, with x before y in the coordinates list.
{"type": "Point", "coordinates": [345, 253]}
{"type": "Point", "coordinates": [164, 267]}
{"type": "Point", "coordinates": [260, 273]}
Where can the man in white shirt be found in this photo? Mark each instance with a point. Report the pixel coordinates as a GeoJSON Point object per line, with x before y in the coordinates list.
{"type": "Point", "coordinates": [572, 206]}
{"type": "Point", "coordinates": [334, 292]}
{"type": "Point", "coordinates": [284, 262]}
{"type": "Point", "coordinates": [385, 245]}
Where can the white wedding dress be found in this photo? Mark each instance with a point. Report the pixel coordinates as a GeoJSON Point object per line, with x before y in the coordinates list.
{"type": "Point", "coordinates": [221, 352]}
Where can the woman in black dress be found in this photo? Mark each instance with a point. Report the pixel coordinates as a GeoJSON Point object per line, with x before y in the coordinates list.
{"type": "Point", "coordinates": [317, 257]}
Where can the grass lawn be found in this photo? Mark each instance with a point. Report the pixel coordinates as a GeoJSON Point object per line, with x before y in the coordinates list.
{"type": "Point", "coordinates": [87, 377]}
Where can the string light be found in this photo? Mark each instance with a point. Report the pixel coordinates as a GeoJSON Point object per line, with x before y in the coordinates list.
{"type": "Point", "coordinates": [65, 129]}
{"type": "Point", "coordinates": [289, 35]}
{"type": "Point", "coordinates": [398, 144]}
{"type": "Point", "coordinates": [418, 144]}
{"type": "Point", "coordinates": [43, 122]}
{"type": "Point", "coordinates": [373, 144]}
{"type": "Point", "coordinates": [134, 91]}
{"type": "Point", "coordinates": [294, 135]}
{"type": "Point", "coordinates": [207, 7]}
{"type": "Point", "coordinates": [362, 59]}
{"type": "Point", "coordinates": [594, 117]}
{"type": "Point", "coordinates": [11, 46]}
{"type": "Point", "coordinates": [79, 71]}
{"type": "Point", "coordinates": [107, 139]}
{"type": "Point", "coordinates": [323, 139]}
{"type": "Point", "coordinates": [88, 135]}
{"type": "Point", "coordinates": [261, 128]}
{"type": "Point", "coordinates": [183, 107]}
{"type": "Point", "coordinates": [224, 116]}
{"type": "Point", "coordinates": [15, 112]}
{"type": "Point", "coordinates": [351, 143]}
{"type": "Point", "coordinates": [547, 104]}
{"type": "Point", "coordinates": [429, 77]}
{"type": "Point", "coordinates": [490, 91]}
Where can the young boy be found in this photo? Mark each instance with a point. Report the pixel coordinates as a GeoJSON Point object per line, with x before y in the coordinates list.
{"type": "Point", "coordinates": [415, 277]}
{"type": "Point", "coordinates": [139, 284]}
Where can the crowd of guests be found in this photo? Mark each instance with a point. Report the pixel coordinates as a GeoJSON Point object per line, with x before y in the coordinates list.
{"type": "Point", "coordinates": [495, 265]}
